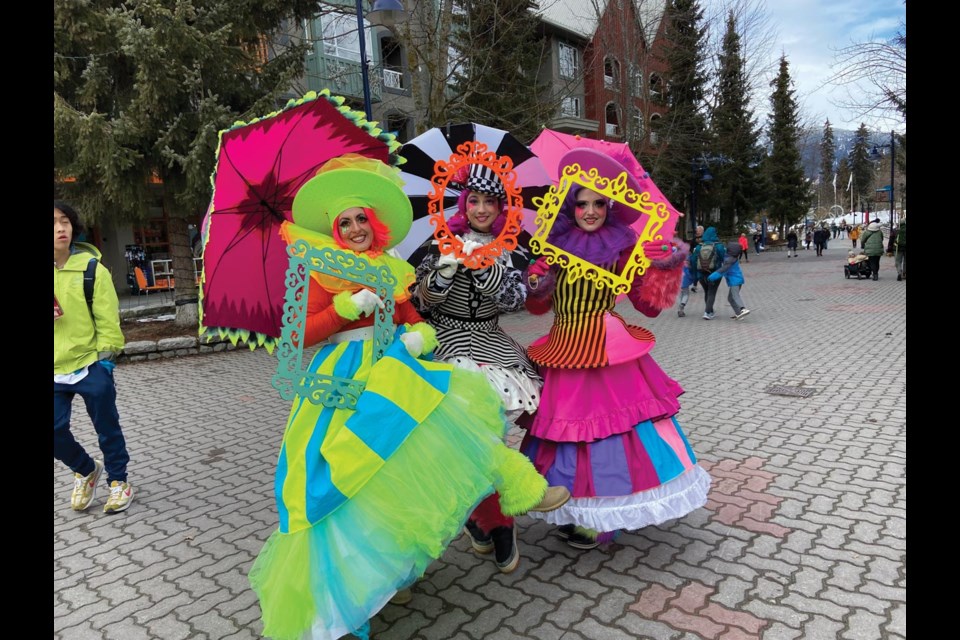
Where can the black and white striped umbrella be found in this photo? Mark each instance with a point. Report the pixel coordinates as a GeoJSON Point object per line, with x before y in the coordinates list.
{"type": "Point", "coordinates": [421, 154]}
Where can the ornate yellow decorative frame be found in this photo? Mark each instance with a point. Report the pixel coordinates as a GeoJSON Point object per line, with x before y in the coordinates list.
{"type": "Point", "coordinates": [652, 214]}
{"type": "Point", "coordinates": [472, 152]}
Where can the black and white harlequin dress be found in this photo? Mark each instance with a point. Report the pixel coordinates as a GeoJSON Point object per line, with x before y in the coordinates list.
{"type": "Point", "coordinates": [466, 312]}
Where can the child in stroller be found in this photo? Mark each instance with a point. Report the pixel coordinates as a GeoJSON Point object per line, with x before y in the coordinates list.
{"type": "Point", "coordinates": [857, 265]}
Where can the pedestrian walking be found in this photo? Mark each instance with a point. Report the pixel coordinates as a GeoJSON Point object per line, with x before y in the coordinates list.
{"type": "Point", "coordinates": [705, 259]}
{"type": "Point", "coordinates": [689, 278]}
{"type": "Point", "coordinates": [792, 243]}
{"type": "Point", "coordinates": [900, 259]}
{"type": "Point", "coordinates": [820, 239]}
{"type": "Point", "coordinates": [731, 273]}
{"type": "Point", "coordinates": [86, 341]}
{"type": "Point", "coordinates": [854, 235]}
{"type": "Point", "coordinates": [872, 244]}
{"type": "Point", "coordinates": [757, 241]}
{"type": "Point", "coordinates": [744, 246]}
{"type": "Point", "coordinates": [697, 240]}
{"type": "Point", "coordinates": [606, 427]}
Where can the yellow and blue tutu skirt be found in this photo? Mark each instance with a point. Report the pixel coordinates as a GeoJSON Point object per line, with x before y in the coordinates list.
{"type": "Point", "coordinates": [368, 498]}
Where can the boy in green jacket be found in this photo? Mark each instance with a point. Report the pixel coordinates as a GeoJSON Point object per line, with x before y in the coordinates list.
{"type": "Point", "coordinates": [86, 340]}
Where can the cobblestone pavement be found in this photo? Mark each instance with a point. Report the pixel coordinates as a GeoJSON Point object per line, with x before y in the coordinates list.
{"type": "Point", "coordinates": [804, 535]}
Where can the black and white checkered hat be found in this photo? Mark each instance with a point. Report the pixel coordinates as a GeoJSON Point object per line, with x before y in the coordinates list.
{"type": "Point", "coordinates": [483, 180]}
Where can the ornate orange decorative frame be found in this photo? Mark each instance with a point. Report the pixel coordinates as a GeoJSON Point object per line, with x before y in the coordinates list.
{"type": "Point", "coordinates": [472, 152]}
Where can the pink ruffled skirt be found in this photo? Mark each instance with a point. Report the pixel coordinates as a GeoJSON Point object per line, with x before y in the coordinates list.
{"type": "Point", "coordinates": [610, 436]}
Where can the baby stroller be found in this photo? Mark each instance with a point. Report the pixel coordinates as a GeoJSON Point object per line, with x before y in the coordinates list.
{"type": "Point", "coordinates": [858, 270]}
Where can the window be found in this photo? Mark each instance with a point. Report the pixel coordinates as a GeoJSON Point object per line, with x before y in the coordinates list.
{"type": "Point", "coordinates": [340, 37]}
{"type": "Point", "coordinates": [570, 107]}
{"type": "Point", "coordinates": [457, 65]}
{"type": "Point", "coordinates": [655, 122]}
{"type": "Point", "coordinates": [613, 120]}
{"type": "Point", "coordinates": [656, 86]}
{"type": "Point", "coordinates": [569, 61]}
{"type": "Point", "coordinates": [611, 73]}
{"type": "Point", "coordinates": [637, 131]}
{"type": "Point", "coordinates": [637, 77]}
{"type": "Point", "coordinates": [392, 55]}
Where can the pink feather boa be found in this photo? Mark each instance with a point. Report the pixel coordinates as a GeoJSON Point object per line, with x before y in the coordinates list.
{"type": "Point", "coordinates": [657, 289]}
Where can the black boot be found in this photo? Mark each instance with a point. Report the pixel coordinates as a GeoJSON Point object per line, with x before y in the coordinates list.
{"type": "Point", "coordinates": [480, 541]}
{"type": "Point", "coordinates": [505, 548]}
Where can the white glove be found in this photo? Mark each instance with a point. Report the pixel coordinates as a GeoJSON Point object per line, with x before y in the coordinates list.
{"type": "Point", "coordinates": [413, 341]}
{"type": "Point", "coordinates": [469, 246]}
{"type": "Point", "coordinates": [447, 265]}
{"type": "Point", "coordinates": [366, 301]}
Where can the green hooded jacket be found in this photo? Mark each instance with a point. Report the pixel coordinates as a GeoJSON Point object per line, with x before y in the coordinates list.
{"type": "Point", "coordinates": [902, 236]}
{"type": "Point", "coordinates": [872, 240]}
{"type": "Point", "coordinates": [78, 336]}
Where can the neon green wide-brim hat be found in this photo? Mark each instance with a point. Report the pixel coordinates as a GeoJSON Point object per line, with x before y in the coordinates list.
{"type": "Point", "coordinates": [361, 183]}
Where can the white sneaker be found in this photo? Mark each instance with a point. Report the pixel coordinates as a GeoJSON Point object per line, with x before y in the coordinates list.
{"type": "Point", "coordinates": [708, 316]}
{"type": "Point", "coordinates": [743, 313]}
{"type": "Point", "coordinates": [85, 488]}
{"type": "Point", "coordinates": [121, 495]}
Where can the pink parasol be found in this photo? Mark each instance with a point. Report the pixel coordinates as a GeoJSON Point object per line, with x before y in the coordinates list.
{"type": "Point", "coordinates": [260, 167]}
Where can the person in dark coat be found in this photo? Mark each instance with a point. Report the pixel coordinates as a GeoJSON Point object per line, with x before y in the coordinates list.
{"type": "Point", "coordinates": [792, 243]}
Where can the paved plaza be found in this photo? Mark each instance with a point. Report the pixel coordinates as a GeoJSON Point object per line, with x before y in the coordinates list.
{"type": "Point", "coordinates": [803, 536]}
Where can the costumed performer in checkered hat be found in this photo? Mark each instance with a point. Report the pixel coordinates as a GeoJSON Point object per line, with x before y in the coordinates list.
{"type": "Point", "coordinates": [464, 306]}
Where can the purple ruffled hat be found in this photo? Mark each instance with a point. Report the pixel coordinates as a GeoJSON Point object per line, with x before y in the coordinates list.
{"type": "Point", "coordinates": [606, 167]}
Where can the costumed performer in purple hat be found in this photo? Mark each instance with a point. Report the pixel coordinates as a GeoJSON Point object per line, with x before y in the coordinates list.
{"type": "Point", "coordinates": [606, 427]}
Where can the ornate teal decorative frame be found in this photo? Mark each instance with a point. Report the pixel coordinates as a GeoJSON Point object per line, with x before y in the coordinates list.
{"type": "Point", "coordinates": [291, 378]}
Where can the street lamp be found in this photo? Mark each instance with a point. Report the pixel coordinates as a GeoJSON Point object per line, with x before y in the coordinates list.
{"type": "Point", "coordinates": [699, 173]}
{"type": "Point", "coordinates": [893, 159]}
{"type": "Point", "coordinates": [388, 11]}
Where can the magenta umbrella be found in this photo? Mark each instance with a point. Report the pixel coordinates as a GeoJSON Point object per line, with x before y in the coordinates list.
{"type": "Point", "coordinates": [550, 146]}
{"type": "Point", "coordinates": [260, 167]}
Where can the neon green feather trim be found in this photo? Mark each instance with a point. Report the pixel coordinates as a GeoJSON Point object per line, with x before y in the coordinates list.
{"type": "Point", "coordinates": [345, 307]}
{"type": "Point", "coordinates": [428, 333]}
{"type": "Point", "coordinates": [522, 487]}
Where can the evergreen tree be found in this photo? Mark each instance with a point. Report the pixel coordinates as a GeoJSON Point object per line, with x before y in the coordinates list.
{"type": "Point", "coordinates": [141, 89]}
{"type": "Point", "coordinates": [685, 96]}
{"type": "Point", "coordinates": [843, 180]}
{"type": "Point", "coordinates": [737, 188]}
{"type": "Point", "coordinates": [828, 151]}
{"type": "Point", "coordinates": [498, 84]}
{"type": "Point", "coordinates": [789, 191]}
{"type": "Point", "coordinates": [862, 168]}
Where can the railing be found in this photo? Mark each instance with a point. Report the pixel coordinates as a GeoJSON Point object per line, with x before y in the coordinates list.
{"type": "Point", "coordinates": [393, 79]}
{"type": "Point", "coordinates": [162, 272]}
{"type": "Point", "coordinates": [342, 77]}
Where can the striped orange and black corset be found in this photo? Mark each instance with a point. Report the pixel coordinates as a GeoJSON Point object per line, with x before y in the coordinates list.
{"type": "Point", "coordinates": [578, 336]}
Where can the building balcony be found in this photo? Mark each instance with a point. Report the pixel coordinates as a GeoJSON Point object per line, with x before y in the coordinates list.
{"type": "Point", "coordinates": [569, 124]}
{"type": "Point", "coordinates": [342, 77]}
{"type": "Point", "coordinates": [393, 79]}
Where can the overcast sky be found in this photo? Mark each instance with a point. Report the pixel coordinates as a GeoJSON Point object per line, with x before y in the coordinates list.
{"type": "Point", "coordinates": [809, 33]}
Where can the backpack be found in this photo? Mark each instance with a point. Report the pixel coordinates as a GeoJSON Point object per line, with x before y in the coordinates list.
{"type": "Point", "coordinates": [89, 279]}
{"type": "Point", "coordinates": [707, 261]}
